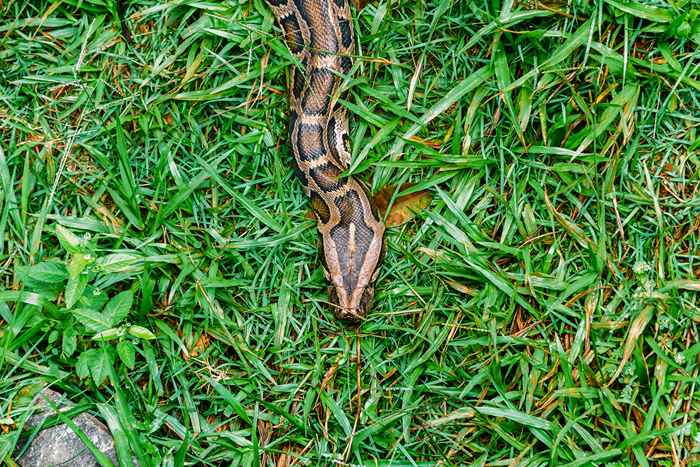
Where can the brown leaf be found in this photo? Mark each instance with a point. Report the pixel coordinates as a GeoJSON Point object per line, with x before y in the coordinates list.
{"type": "Point", "coordinates": [633, 334]}
{"type": "Point", "coordinates": [197, 349]}
{"type": "Point", "coordinates": [404, 207]}
{"type": "Point", "coordinates": [462, 288]}
{"type": "Point", "coordinates": [200, 346]}
{"type": "Point", "coordinates": [360, 4]}
{"type": "Point", "coordinates": [282, 460]}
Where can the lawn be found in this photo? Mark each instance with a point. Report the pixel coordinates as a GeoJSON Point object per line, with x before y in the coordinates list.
{"type": "Point", "coordinates": [159, 264]}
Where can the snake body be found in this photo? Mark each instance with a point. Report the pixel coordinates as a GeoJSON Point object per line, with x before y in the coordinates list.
{"type": "Point", "coordinates": [320, 34]}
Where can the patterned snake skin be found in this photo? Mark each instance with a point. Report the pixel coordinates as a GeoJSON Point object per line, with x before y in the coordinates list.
{"type": "Point", "coordinates": [319, 33]}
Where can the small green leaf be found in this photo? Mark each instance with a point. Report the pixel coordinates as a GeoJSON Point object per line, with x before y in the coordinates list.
{"type": "Point", "coordinates": [99, 368]}
{"type": "Point", "coordinates": [75, 289]}
{"type": "Point", "coordinates": [96, 363]}
{"type": "Point", "coordinates": [53, 336]}
{"type": "Point", "coordinates": [121, 263]}
{"type": "Point", "coordinates": [70, 341]}
{"type": "Point", "coordinates": [49, 272]}
{"type": "Point", "coordinates": [82, 368]}
{"type": "Point", "coordinates": [69, 241]}
{"type": "Point", "coordinates": [127, 353]}
{"type": "Point", "coordinates": [108, 334]}
{"type": "Point", "coordinates": [93, 320]}
{"type": "Point", "coordinates": [141, 332]}
{"type": "Point", "coordinates": [118, 307]}
{"type": "Point", "coordinates": [77, 264]}
{"type": "Point", "coordinates": [77, 277]}
{"type": "Point", "coordinates": [92, 298]}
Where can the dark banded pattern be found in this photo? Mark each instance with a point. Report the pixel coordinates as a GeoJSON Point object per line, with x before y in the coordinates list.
{"type": "Point", "coordinates": [319, 33]}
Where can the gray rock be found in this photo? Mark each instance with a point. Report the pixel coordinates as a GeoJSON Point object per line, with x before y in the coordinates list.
{"type": "Point", "coordinates": [59, 445]}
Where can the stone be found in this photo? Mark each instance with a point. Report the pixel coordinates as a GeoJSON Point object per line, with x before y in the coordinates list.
{"type": "Point", "coordinates": [59, 445]}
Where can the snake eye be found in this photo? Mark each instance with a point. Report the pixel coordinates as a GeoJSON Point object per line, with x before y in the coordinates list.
{"type": "Point", "coordinates": [366, 300]}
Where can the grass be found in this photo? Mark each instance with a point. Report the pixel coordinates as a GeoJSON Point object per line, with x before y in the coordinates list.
{"type": "Point", "coordinates": [159, 267]}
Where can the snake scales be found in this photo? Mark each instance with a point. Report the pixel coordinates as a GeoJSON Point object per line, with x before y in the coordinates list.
{"type": "Point", "coordinates": [319, 33]}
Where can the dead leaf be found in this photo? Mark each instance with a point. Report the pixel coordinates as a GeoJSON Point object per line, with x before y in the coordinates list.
{"type": "Point", "coordinates": [462, 288]}
{"type": "Point", "coordinates": [404, 207]}
{"type": "Point", "coordinates": [360, 4]}
{"type": "Point", "coordinates": [197, 349]}
{"type": "Point", "coordinates": [432, 143]}
{"type": "Point", "coordinates": [430, 253]}
{"type": "Point", "coordinates": [200, 346]}
{"type": "Point", "coordinates": [282, 460]}
{"type": "Point", "coordinates": [633, 334]}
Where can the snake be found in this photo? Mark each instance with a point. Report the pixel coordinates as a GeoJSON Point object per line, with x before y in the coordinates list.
{"type": "Point", "coordinates": [319, 34]}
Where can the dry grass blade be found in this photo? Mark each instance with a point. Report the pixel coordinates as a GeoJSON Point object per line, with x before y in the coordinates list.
{"type": "Point", "coordinates": [634, 332]}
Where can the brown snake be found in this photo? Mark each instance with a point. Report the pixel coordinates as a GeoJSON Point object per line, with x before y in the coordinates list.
{"type": "Point", "coordinates": [319, 33]}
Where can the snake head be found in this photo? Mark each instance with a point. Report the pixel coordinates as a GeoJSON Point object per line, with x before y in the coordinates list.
{"type": "Point", "coordinates": [351, 294]}
{"type": "Point", "coordinates": [352, 252]}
